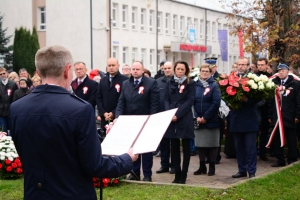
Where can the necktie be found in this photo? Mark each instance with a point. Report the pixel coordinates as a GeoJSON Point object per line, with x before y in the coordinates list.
{"type": "Point", "coordinates": [79, 82]}
{"type": "Point", "coordinates": [282, 82]}
{"type": "Point", "coordinates": [110, 80]}
{"type": "Point", "coordinates": [136, 82]}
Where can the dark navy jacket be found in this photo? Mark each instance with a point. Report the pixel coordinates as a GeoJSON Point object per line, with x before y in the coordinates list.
{"type": "Point", "coordinates": [161, 82]}
{"type": "Point", "coordinates": [87, 90]}
{"type": "Point", "coordinates": [108, 95]}
{"type": "Point", "coordinates": [56, 138]}
{"type": "Point", "coordinates": [184, 126]}
{"type": "Point", "coordinates": [207, 105]}
{"type": "Point", "coordinates": [138, 100]}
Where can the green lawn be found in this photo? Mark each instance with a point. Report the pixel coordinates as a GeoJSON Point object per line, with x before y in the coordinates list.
{"type": "Point", "coordinates": [281, 185]}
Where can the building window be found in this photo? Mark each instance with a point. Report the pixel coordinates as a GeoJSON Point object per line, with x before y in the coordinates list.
{"type": "Point", "coordinates": [133, 18]}
{"type": "Point", "coordinates": [143, 19]}
{"type": "Point", "coordinates": [143, 54]}
{"type": "Point", "coordinates": [151, 20]}
{"type": "Point", "coordinates": [174, 24]}
{"type": "Point", "coordinates": [207, 30]}
{"type": "Point", "coordinates": [181, 25]}
{"type": "Point", "coordinates": [134, 54]}
{"type": "Point", "coordinates": [189, 21]}
{"type": "Point", "coordinates": [124, 16]}
{"type": "Point", "coordinates": [151, 57]}
{"type": "Point", "coordinates": [219, 26]}
{"type": "Point", "coordinates": [213, 31]}
{"type": "Point", "coordinates": [125, 54]}
{"type": "Point", "coordinates": [201, 29]}
{"type": "Point", "coordinates": [196, 27]}
{"type": "Point", "coordinates": [159, 22]}
{"type": "Point", "coordinates": [114, 14]}
{"type": "Point", "coordinates": [115, 52]}
{"type": "Point", "coordinates": [42, 18]}
{"type": "Point", "coordinates": [167, 23]}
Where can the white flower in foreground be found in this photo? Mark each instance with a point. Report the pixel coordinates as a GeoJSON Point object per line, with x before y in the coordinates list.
{"type": "Point", "coordinates": [250, 75]}
{"type": "Point", "coordinates": [270, 84]}
{"type": "Point", "coordinates": [264, 78]}
{"type": "Point", "coordinates": [2, 158]}
{"type": "Point", "coordinates": [251, 82]}
{"type": "Point", "coordinates": [254, 86]}
{"type": "Point", "coordinates": [261, 87]}
{"type": "Point", "coordinates": [10, 158]}
{"type": "Point", "coordinates": [260, 83]}
{"type": "Point", "coordinates": [257, 78]}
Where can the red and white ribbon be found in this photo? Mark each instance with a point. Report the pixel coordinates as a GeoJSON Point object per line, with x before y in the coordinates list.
{"type": "Point", "coordinates": [2, 135]}
{"type": "Point", "coordinates": [85, 89]}
{"type": "Point", "coordinates": [181, 88]}
{"type": "Point", "coordinates": [141, 90]}
{"type": "Point", "coordinates": [206, 91]}
{"type": "Point", "coordinates": [108, 127]}
{"type": "Point", "coordinates": [279, 122]}
{"type": "Point", "coordinates": [117, 86]}
{"type": "Point", "coordinates": [9, 92]}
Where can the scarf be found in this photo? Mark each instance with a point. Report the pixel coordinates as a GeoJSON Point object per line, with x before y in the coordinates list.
{"type": "Point", "coordinates": [179, 80]}
{"type": "Point", "coordinates": [204, 82]}
{"type": "Point", "coordinates": [4, 82]}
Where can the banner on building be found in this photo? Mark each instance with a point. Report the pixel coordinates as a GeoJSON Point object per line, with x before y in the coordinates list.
{"type": "Point", "coordinates": [192, 34]}
{"type": "Point", "coordinates": [223, 41]}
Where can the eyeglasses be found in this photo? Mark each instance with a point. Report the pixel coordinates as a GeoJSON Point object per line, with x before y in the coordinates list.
{"type": "Point", "coordinates": [79, 69]}
{"type": "Point", "coordinates": [205, 71]}
{"type": "Point", "coordinates": [243, 64]}
{"type": "Point", "coordinates": [126, 68]}
{"type": "Point", "coordinates": [3, 73]}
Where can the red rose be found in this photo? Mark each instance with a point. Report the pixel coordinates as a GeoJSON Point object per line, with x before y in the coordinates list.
{"type": "Point", "coordinates": [234, 83]}
{"type": "Point", "coordinates": [17, 160]}
{"type": "Point", "coordinates": [95, 185]}
{"type": "Point", "coordinates": [8, 169]}
{"type": "Point", "coordinates": [19, 164]}
{"type": "Point", "coordinates": [223, 76]}
{"type": "Point", "coordinates": [223, 82]}
{"type": "Point", "coordinates": [0, 165]}
{"type": "Point", "coordinates": [106, 180]}
{"type": "Point", "coordinates": [245, 88]}
{"type": "Point", "coordinates": [116, 181]}
{"type": "Point", "coordinates": [230, 91]}
{"type": "Point", "coordinates": [7, 161]}
{"type": "Point", "coordinates": [95, 179]}
{"type": "Point", "coordinates": [14, 165]}
{"type": "Point", "coordinates": [19, 170]}
{"type": "Point", "coordinates": [98, 184]}
{"type": "Point", "coordinates": [105, 184]}
{"type": "Point", "coordinates": [244, 81]}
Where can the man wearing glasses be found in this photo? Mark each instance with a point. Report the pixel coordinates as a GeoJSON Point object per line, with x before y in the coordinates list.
{"type": "Point", "coordinates": [82, 86]}
{"type": "Point", "coordinates": [126, 70]}
{"type": "Point", "coordinates": [7, 89]}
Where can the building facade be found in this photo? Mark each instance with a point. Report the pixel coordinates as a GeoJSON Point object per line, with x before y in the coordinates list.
{"type": "Point", "coordinates": [145, 30]}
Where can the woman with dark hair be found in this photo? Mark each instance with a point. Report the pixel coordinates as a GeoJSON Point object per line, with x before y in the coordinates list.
{"type": "Point", "coordinates": [180, 93]}
{"type": "Point", "coordinates": [206, 107]}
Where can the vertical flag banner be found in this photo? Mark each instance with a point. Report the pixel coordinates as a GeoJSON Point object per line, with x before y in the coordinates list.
{"type": "Point", "coordinates": [223, 41]}
{"type": "Point", "coordinates": [241, 48]}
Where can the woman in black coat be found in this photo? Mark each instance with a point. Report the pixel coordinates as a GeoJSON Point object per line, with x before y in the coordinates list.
{"type": "Point", "coordinates": [180, 93]}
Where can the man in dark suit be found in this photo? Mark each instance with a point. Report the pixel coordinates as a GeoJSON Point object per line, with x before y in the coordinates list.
{"type": "Point", "coordinates": [139, 96]}
{"type": "Point", "coordinates": [160, 73]}
{"type": "Point", "coordinates": [109, 92]}
{"type": "Point", "coordinates": [55, 135]}
{"type": "Point", "coordinates": [244, 126]}
{"type": "Point", "coordinates": [82, 86]}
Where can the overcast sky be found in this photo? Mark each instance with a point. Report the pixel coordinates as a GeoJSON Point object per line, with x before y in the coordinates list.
{"type": "Point", "coordinates": [211, 4]}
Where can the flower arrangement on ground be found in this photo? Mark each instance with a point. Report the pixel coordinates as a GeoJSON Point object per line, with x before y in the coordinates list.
{"type": "Point", "coordinates": [10, 164]}
{"type": "Point", "coordinates": [234, 88]}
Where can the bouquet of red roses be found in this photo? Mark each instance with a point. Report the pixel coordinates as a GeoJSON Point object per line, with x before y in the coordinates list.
{"type": "Point", "coordinates": [233, 88]}
{"type": "Point", "coordinates": [105, 182]}
{"type": "Point", "coordinates": [10, 164]}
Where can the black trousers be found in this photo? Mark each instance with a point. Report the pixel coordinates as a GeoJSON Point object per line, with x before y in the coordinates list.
{"type": "Point", "coordinates": [175, 155]}
{"type": "Point", "coordinates": [292, 143]}
{"type": "Point", "coordinates": [165, 153]}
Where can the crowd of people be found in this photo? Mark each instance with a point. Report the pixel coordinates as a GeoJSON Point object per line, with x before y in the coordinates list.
{"type": "Point", "coordinates": [196, 127]}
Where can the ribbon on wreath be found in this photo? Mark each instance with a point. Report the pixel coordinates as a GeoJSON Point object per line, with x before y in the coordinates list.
{"type": "Point", "coordinates": [2, 135]}
{"type": "Point", "coordinates": [279, 122]}
{"type": "Point", "coordinates": [108, 127]}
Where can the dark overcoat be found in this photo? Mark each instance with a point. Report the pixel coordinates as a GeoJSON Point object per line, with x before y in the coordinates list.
{"type": "Point", "coordinates": [56, 138]}
{"type": "Point", "coordinates": [184, 126]}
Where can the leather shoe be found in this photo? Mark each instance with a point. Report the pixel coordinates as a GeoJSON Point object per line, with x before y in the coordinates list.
{"type": "Point", "coordinates": [193, 153]}
{"type": "Point", "coordinates": [264, 158]}
{"type": "Point", "coordinates": [162, 170]}
{"type": "Point", "coordinates": [240, 175]}
{"type": "Point", "coordinates": [278, 164]}
{"type": "Point", "coordinates": [251, 175]}
{"type": "Point", "coordinates": [172, 171]}
{"type": "Point", "coordinates": [147, 179]}
{"type": "Point", "coordinates": [158, 154]}
{"type": "Point", "coordinates": [132, 179]}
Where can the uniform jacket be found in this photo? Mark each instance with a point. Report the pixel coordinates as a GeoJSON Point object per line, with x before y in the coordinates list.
{"type": "Point", "coordinates": [290, 104]}
{"type": "Point", "coordinates": [108, 96]}
{"type": "Point", "coordinates": [87, 90]}
{"type": "Point", "coordinates": [142, 99]}
{"type": "Point", "coordinates": [161, 82]}
{"type": "Point", "coordinates": [56, 138]}
{"type": "Point", "coordinates": [207, 103]}
{"type": "Point", "coordinates": [184, 126]}
{"type": "Point", "coordinates": [6, 96]}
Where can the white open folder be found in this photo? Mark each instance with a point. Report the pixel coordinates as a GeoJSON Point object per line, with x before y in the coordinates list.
{"type": "Point", "coordinates": [141, 132]}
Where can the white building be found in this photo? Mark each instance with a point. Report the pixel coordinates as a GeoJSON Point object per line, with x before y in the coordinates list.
{"type": "Point", "coordinates": [137, 30]}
